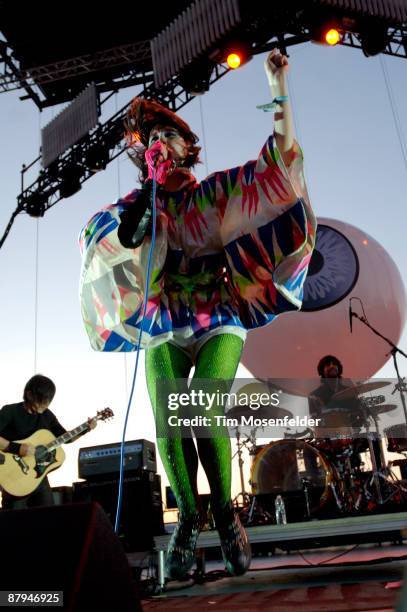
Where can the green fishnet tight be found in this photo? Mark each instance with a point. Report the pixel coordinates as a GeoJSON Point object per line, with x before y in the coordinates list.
{"type": "Point", "coordinates": [217, 360]}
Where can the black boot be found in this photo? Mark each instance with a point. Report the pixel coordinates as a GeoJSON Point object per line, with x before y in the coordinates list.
{"type": "Point", "coordinates": [233, 538]}
{"type": "Point", "coordinates": [181, 548]}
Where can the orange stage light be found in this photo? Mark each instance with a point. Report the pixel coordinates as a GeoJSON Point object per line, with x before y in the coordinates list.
{"type": "Point", "coordinates": [332, 36]}
{"type": "Point", "coordinates": [233, 60]}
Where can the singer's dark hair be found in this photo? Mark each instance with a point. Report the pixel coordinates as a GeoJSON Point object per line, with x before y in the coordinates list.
{"type": "Point", "coordinates": [329, 359]}
{"type": "Point", "coordinates": [141, 118]}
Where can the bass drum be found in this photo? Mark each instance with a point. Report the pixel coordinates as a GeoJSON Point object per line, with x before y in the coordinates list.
{"type": "Point", "coordinates": [295, 470]}
{"type": "Point", "coordinates": [396, 438]}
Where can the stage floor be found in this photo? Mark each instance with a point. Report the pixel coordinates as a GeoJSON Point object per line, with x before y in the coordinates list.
{"type": "Point", "coordinates": [359, 578]}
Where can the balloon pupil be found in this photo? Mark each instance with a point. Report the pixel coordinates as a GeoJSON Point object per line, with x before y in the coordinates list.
{"type": "Point", "coordinates": [316, 264]}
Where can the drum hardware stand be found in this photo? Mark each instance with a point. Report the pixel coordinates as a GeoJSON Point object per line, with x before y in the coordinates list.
{"type": "Point", "coordinates": [377, 470]}
{"type": "Point", "coordinates": [240, 445]}
{"type": "Point", "coordinates": [305, 485]}
{"type": "Point", "coordinates": [248, 500]}
{"type": "Point", "coordinates": [401, 385]}
{"type": "Point", "coordinates": [253, 504]}
{"type": "Point", "coordinates": [335, 494]}
{"type": "Point", "coordinates": [378, 473]}
{"type": "Point", "coordinates": [396, 480]}
{"type": "Point", "coordinates": [266, 516]}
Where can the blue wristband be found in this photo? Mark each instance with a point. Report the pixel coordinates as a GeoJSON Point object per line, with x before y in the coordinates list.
{"type": "Point", "coordinates": [272, 105]}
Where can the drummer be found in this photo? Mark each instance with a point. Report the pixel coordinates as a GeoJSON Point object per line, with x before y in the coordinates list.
{"type": "Point", "coordinates": [330, 370]}
{"type": "Point", "coordinates": [321, 401]}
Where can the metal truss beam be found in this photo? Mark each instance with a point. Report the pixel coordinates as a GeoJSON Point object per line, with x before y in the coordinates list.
{"type": "Point", "coordinates": [9, 71]}
{"type": "Point", "coordinates": [396, 46]}
{"type": "Point", "coordinates": [173, 95]}
{"type": "Point", "coordinates": [44, 193]}
{"type": "Point", "coordinates": [138, 54]}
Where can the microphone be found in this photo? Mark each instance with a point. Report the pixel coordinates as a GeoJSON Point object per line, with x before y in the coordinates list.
{"type": "Point", "coordinates": [158, 168]}
{"type": "Point", "coordinates": [350, 316]}
{"type": "Point", "coordinates": [154, 155]}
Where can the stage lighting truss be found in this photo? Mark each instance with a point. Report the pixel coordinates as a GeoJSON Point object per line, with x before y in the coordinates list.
{"type": "Point", "coordinates": [370, 34]}
{"type": "Point", "coordinates": [98, 148]}
{"type": "Point", "coordinates": [174, 95]}
{"type": "Point", "coordinates": [137, 55]}
{"type": "Point", "coordinates": [393, 42]}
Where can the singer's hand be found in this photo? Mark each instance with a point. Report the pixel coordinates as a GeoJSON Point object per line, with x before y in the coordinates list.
{"type": "Point", "coordinates": [131, 219]}
{"type": "Point", "coordinates": [276, 66]}
{"type": "Point", "coordinates": [156, 154]}
{"type": "Point", "coordinates": [159, 162]}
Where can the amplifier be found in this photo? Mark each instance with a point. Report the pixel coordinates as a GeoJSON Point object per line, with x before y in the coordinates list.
{"type": "Point", "coordinates": [142, 513]}
{"type": "Point", "coordinates": [99, 461]}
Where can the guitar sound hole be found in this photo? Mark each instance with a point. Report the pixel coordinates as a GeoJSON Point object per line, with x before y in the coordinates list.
{"type": "Point", "coordinates": [43, 454]}
{"type": "Point", "coordinates": [43, 458]}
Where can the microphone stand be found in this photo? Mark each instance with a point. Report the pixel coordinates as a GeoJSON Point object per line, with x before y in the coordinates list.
{"type": "Point", "coordinates": [401, 385]}
{"type": "Point", "coordinates": [245, 496]}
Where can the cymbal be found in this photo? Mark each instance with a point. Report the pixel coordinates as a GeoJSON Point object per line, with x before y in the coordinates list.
{"type": "Point", "coordinates": [356, 390]}
{"type": "Point", "coordinates": [253, 387]}
{"type": "Point", "coordinates": [373, 410]}
{"type": "Point", "coordinates": [258, 391]}
{"type": "Point", "coordinates": [264, 412]}
{"type": "Point", "coordinates": [293, 386]}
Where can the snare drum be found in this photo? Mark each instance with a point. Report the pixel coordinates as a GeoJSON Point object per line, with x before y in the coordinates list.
{"type": "Point", "coordinates": [396, 438]}
{"type": "Point", "coordinates": [289, 468]}
{"type": "Point", "coordinates": [338, 430]}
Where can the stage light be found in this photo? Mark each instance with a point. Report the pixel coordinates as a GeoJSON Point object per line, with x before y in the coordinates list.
{"type": "Point", "coordinates": [70, 180]}
{"type": "Point", "coordinates": [195, 78]}
{"type": "Point", "coordinates": [332, 36]}
{"type": "Point", "coordinates": [97, 157]}
{"type": "Point", "coordinates": [236, 53]}
{"type": "Point", "coordinates": [373, 38]}
{"type": "Point", "coordinates": [35, 204]}
{"type": "Point", "coordinates": [325, 31]}
{"type": "Point", "coordinates": [233, 60]}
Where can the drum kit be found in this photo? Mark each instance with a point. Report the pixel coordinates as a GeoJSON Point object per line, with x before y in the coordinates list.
{"type": "Point", "coordinates": [319, 475]}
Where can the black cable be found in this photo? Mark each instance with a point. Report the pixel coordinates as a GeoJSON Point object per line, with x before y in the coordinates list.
{"type": "Point", "coordinates": [222, 573]}
{"type": "Point", "coordinates": [10, 223]}
{"type": "Point", "coordinates": [344, 552]}
{"type": "Point", "coordinates": [214, 575]}
{"type": "Point", "coordinates": [346, 564]}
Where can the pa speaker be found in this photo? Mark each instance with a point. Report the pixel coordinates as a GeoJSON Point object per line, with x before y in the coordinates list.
{"type": "Point", "coordinates": [69, 548]}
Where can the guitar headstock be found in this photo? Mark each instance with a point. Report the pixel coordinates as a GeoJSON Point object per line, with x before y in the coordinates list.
{"type": "Point", "coordinates": [103, 415]}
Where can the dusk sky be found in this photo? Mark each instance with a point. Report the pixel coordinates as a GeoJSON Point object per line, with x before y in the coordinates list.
{"type": "Point", "coordinates": [355, 170]}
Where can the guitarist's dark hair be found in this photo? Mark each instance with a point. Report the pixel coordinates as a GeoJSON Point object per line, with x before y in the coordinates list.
{"type": "Point", "coordinates": [39, 389]}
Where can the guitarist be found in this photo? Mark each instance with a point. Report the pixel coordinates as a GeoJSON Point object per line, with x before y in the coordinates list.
{"type": "Point", "coordinates": [21, 420]}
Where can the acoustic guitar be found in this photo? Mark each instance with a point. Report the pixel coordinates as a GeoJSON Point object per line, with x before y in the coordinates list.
{"type": "Point", "coordinates": [20, 476]}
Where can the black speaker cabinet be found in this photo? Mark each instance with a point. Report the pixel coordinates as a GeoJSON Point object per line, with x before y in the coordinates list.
{"type": "Point", "coordinates": [141, 514]}
{"type": "Point", "coordinates": [68, 548]}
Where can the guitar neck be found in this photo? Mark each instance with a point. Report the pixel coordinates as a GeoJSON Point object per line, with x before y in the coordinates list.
{"type": "Point", "coordinates": [68, 436]}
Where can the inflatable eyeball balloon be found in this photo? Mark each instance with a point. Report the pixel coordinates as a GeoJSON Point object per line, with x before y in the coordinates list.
{"type": "Point", "coordinates": [347, 263]}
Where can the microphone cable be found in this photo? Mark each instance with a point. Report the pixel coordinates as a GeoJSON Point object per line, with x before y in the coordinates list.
{"type": "Point", "coordinates": [145, 301]}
